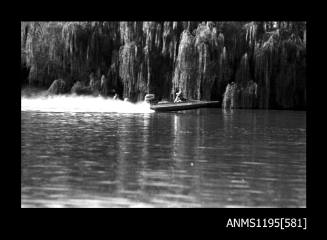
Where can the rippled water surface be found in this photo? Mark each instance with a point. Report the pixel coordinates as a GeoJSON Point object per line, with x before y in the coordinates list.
{"type": "Point", "coordinates": [194, 158]}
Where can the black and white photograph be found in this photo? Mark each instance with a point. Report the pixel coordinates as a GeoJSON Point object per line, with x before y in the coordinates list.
{"type": "Point", "coordinates": [163, 114]}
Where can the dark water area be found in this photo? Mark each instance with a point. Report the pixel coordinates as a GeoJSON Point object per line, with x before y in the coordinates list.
{"type": "Point", "coordinates": [194, 158]}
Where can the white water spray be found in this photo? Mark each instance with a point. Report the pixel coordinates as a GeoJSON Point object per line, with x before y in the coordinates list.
{"type": "Point", "coordinates": [74, 103]}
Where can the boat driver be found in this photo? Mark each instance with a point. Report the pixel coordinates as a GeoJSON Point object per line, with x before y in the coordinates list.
{"type": "Point", "coordinates": [179, 97]}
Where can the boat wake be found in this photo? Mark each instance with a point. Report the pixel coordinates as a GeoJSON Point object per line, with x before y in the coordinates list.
{"type": "Point", "coordinates": [74, 103]}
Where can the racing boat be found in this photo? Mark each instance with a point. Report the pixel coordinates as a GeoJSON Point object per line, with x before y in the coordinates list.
{"type": "Point", "coordinates": [169, 106]}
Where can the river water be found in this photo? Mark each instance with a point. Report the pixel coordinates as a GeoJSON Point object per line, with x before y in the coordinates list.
{"type": "Point", "coordinates": [194, 158]}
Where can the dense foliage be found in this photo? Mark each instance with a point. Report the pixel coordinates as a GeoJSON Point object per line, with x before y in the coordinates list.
{"type": "Point", "coordinates": [265, 61]}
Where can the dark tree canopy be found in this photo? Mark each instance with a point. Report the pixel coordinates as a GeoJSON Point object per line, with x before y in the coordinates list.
{"type": "Point", "coordinates": [200, 58]}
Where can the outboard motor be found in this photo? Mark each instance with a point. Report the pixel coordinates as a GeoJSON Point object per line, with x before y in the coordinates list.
{"type": "Point", "coordinates": [149, 98]}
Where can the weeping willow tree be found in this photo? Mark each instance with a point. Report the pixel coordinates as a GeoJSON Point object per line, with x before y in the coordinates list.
{"type": "Point", "coordinates": [186, 65]}
{"type": "Point", "coordinates": [224, 73]}
{"type": "Point", "coordinates": [89, 47]}
{"type": "Point", "coordinates": [271, 73]}
{"type": "Point", "coordinates": [209, 45]}
{"type": "Point", "coordinates": [37, 50]}
{"type": "Point", "coordinates": [133, 64]}
{"type": "Point", "coordinates": [198, 61]}
{"type": "Point", "coordinates": [243, 92]}
{"type": "Point", "coordinates": [171, 38]}
{"type": "Point", "coordinates": [68, 50]}
{"type": "Point", "coordinates": [280, 68]}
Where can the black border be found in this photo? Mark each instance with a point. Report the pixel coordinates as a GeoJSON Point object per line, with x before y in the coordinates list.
{"type": "Point", "coordinates": [168, 11]}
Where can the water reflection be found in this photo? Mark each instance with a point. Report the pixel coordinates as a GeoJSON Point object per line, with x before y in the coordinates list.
{"type": "Point", "coordinates": [195, 158]}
